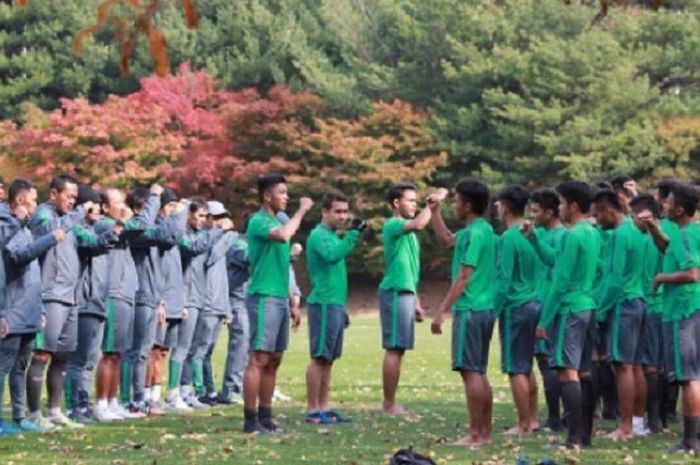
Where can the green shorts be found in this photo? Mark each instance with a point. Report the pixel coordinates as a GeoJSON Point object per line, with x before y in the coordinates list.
{"type": "Point", "coordinates": [326, 330]}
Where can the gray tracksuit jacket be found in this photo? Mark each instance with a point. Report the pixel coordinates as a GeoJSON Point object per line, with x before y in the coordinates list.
{"type": "Point", "coordinates": [60, 265]}
{"type": "Point", "coordinates": [144, 249]}
{"type": "Point", "coordinates": [8, 228]}
{"type": "Point", "coordinates": [22, 306]}
{"type": "Point", "coordinates": [93, 288]}
{"type": "Point", "coordinates": [194, 249]}
{"type": "Point", "coordinates": [216, 300]}
{"type": "Point", "coordinates": [238, 267]}
{"type": "Point", "coordinates": [123, 280]}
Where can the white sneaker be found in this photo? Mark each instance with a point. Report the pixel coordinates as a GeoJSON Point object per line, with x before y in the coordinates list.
{"type": "Point", "coordinates": [280, 397]}
{"type": "Point", "coordinates": [638, 427]}
{"type": "Point", "coordinates": [104, 415]}
{"type": "Point", "coordinates": [193, 402]}
{"type": "Point", "coordinates": [124, 412]}
{"type": "Point", "coordinates": [61, 420]}
{"type": "Point", "coordinates": [176, 404]}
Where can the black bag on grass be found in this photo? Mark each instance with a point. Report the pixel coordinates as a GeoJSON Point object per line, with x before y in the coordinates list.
{"type": "Point", "coordinates": [408, 457]}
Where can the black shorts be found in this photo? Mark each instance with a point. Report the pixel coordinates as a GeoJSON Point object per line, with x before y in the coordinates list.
{"type": "Point", "coordinates": [625, 332]}
{"type": "Point", "coordinates": [652, 343]}
{"type": "Point", "coordinates": [517, 330]}
{"type": "Point", "coordinates": [685, 349]}
{"type": "Point", "coordinates": [471, 338]}
{"type": "Point", "coordinates": [572, 340]}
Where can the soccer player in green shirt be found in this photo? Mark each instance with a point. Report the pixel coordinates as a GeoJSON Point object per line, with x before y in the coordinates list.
{"type": "Point", "coordinates": [568, 310]}
{"type": "Point", "coordinates": [327, 315]}
{"type": "Point", "coordinates": [471, 301]}
{"type": "Point", "coordinates": [646, 213]}
{"type": "Point", "coordinates": [399, 305]}
{"type": "Point", "coordinates": [268, 299]}
{"type": "Point", "coordinates": [518, 306]}
{"type": "Point", "coordinates": [681, 296]}
{"type": "Point", "coordinates": [621, 305]}
{"type": "Point", "coordinates": [544, 215]}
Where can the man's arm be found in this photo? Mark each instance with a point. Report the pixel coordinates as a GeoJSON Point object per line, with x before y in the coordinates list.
{"type": "Point", "coordinates": [561, 278]}
{"type": "Point", "coordinates": [333, 253]}
{"type": "Point", "coordinates": [504, 272]}
{"type": "Point", "coordinates": [193, 244]}
{"type": "Point", "coordinates": [285, 232]}
{"type": "Point", "coordinates": [21, 254]}
{"type": "Point", "coordinates": [456, 289]}
{"type": "Point", "coordinates": [44, 222]}
{"type": "Point", "coordinates": [617, 256]}
{"type": "Point", "coordinates": [443, 233]}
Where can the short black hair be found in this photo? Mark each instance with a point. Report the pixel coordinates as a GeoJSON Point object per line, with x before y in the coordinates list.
{"type": "Point", "coordinates": [515, 197]}
{"type": "Point", "coordinates": [168, 195]}
{"type": "Point", "coordinates": [686, 196]}
{"type": "Point", "coordinates": [604, 185]}
{"type": "Point", "coordinates": [607, 197]}
{"type": "Point", "coordinates": [474, 193]}
{"type": "Point", "coordinates": [664, 187]}
{"type": "Point", "coordinates": [547, 199]}
{"type": "Point", "coordinates": [59, 182]}
{"type": "Point", "coordinates": [87, 194]}
{"type": "Point", "coordinates": [577, 192]}
{"type": "Point", "coordinates": [618, 184]}
{"type": "Point", "coordinates": [17, 186]}
{"type": "Point", "coordinates": [645, 201]}
{"type": "Point", "coordinates": [137, 198]}
{"type": "Point", "coordinates": [333, 195]}
{"type": "Point", "coordinates": [269, 181]}
{"type": "Point", "coordinates": [198, 203]}
{"type": "Point", "coordinates": [396, 191]}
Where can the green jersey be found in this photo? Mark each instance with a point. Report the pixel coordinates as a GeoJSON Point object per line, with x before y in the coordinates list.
{"type": "Point", "coordinates": [546, 243]}
{"type": "Point", "coordinates": [401, 257]}
{"type": "Point", "coordinates": [653, 261]}
{"type": "Point", "coordinates": [516, 282]}
{"type": "Point", "coordinates": [623, 269]}
{"type": "Point", "coordinates": [475, 247]}
{"type": "Point", "coordinates": [601, 275]}
{"type": "Point", "coordinates": [269, 259]}
{"type": "Point", "coordinates": [574, 272]}
{"type": "Point", "coordinates": [670, 230]}
{"type": "Point", "coordinates": [683, 253]}
{"type": "Point", "coordinates": [325, 258]}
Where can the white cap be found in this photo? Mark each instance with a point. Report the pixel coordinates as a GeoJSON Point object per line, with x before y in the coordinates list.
{"type": "Point", "coordinates": [217, 208]}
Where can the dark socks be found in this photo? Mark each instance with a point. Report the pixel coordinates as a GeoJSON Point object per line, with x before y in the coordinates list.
{"type": "Point", "coordinates": [608, 388]}
{"type": "Point", "coordinates": [588, 394]}
{"type": "Point", "coordinates": [653, 404]}
{"type": "Point", "coordinates": [691, 429]}
{"type": "Point", "coordinates": [572, 398]}
{"type": "Point", "coordinates": [265, 418]}
{"type": "Point", "coordinates": [671, 401]}
{"type": "Point", "coordinates": [35, 378]}
{"type": "Point", "coordinates": [552, 393]}
{"type": "Point", "coordinates": [251, 424]}
{"type": "Point", "coordinates": [56, 378]}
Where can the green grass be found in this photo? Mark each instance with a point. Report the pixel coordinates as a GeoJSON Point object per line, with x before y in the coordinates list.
{"type": "Point", "coordinates": [428, 388]}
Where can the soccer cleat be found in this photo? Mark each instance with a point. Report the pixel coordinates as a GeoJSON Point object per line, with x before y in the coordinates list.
{"type": "Point", "coordinates": [193, 402]}
{"type": "Point", "coordinates": [7, 429]}
{"type": "Point", "coordinates": [176, 404]}
{"type": "Point", "coordinates": [28, 426]}
{"type": "Point", "coordinates": [104, 415]}
{"type": "Point", "coordinates": [61, 420]}
{"type": "Point", "coordinates": [210, 401]}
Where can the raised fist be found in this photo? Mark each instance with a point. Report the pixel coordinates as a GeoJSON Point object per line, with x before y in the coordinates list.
{"type": "Point", "coordinates": [59, 234]}
{"type": "Point", "coordinates": [358, 224]}
{"type": "Point", "coordinates": [526, 228]}
{"type": "Point", "coordinates": [305, 204]}
{"type": "Point", "coordinates": [21, 212]}
{"type": "Point", "coordinates": [297, 249]}
{"type": "Point", "coordinates": [156, 189]}
{"type": "Point", "coordinates": [226, 224]}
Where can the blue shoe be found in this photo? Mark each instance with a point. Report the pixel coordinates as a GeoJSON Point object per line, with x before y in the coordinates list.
{"type": "Point", "coordinates": [7, 429]}
{"type": "Point", "coordinates": [335, 417]}
{"type": "Point", "coordinates": [314, 418]}
{"type": "Point", "coordinates": [28, 426]}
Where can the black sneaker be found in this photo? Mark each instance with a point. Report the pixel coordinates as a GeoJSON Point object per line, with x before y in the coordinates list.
{"type": "Point", "coordinates": [271, 426]}
{"type": "Point", "coordinates": [254, 427]}
{"type": "Point", "coordinates": [207, 400]}
{"type": "Point", "coordinates": [223, 400]}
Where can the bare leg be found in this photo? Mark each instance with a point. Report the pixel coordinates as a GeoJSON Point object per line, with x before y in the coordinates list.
{"type": "Point", "coordinates": [325, 386]}
{"type": "Point", "coordinates": [268, 379]}
{"type": "Point", "coordinates": [532, 383]}
{"type": "Point", "coordinates": [251, 378]}
{"type": "Point", "coordinates": [640, 391]}
{"type": "Point", "coordinates": [391, 371]}
{"type": "Point", "coordinates": [520, 386]}
{"type": "Point", "coordinates": [626, 396]}
{"type": "Point", "coordinates": [313, 385]}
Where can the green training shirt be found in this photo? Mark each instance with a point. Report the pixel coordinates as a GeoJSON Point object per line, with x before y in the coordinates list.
{"type": "Point", "coordinates": [516, 279]}
{"type": "Point", "coordinates": [682, 300]}
{"type": "Point", "coordinates": [475, 247]}
{"type": "Point", "coordinates": [269, 259]}
{"type": "Point", "coordinates": [401, 257]}
{"type": "Point", "coordinates": [546, 245]}
{"type": "Point", "coordinates": [623, 268]}
{"type": "Point", "coordinates": [574, 272]}
{"type": "Point", "coordinates": [653, 261]}
{"type": "Point", "coordinates": [325, 259]}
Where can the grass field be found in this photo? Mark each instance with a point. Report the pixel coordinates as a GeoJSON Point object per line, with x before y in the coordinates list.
{"type": "Point", "coordinates": [428, 388]}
